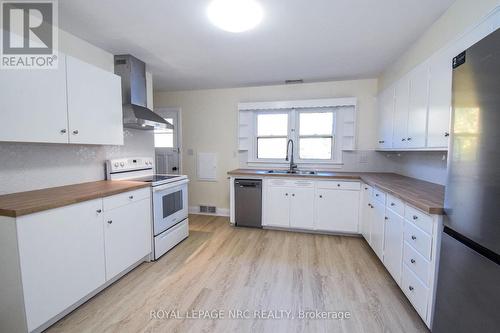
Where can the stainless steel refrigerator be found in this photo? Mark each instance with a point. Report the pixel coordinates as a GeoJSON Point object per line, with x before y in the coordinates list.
{"type": "Point", "coordinates": [468, 288]}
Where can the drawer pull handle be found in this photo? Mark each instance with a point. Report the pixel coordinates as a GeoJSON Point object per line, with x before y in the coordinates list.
{"type": "Point", "coordinates": [413, 237]}
{"type": "Point", "coordinates": [411, 288]}
{"type": "Point", "coordinates": [415, 217]}
{"type": "Point", "coordinates": [412, 261]}
{"type": "Point", "coordinates": [376, 194]}
{"type": "Point", "coordinates": [110, 222]}
{"type": "Point", "coordinates": [131, 197]}
{"type": "Point", "coordinates": [393, 204]}
{"type": "Point", "coordinates": [99, 211]}
{"type": "Point", "coordinates": [63, 131]}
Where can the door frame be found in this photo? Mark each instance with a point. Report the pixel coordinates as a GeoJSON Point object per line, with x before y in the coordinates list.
{"type": "Point", "coordinates": [163, 112]}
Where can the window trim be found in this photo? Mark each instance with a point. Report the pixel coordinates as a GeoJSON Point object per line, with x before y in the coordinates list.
{"type": "Point", "coordinates": [332, 136]}
{"type": "Point", "coordinates": [255, 153]}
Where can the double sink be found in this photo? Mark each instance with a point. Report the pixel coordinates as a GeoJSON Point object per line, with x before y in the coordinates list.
{"type": "Point", "coordinates": [292, 172]}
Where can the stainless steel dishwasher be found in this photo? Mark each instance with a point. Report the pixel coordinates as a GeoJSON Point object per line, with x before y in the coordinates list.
{"type": "Point", "coordinates": [248, 202]}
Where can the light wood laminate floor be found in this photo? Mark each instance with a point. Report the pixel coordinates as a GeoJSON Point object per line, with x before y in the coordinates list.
{"type": "Point", "coordinates": [220, 267]}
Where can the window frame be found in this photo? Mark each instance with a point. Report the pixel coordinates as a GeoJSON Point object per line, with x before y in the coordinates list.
{"type": "Point", "coordinates": [332, 136]}
{"type": "Point", "coordinates": [257, 136]}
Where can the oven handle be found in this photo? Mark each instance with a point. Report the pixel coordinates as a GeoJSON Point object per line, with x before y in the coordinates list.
{"type": "Point", "coordinates": [170, 185]}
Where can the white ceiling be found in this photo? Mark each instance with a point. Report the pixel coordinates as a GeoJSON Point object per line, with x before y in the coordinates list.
{"type": "Point", "coordinates": [314, 40]}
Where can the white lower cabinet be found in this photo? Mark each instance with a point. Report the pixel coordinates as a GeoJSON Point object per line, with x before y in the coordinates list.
{"type": "Point", "coordinates": [393, 244]}
{"type": "Point", "coordinates": [123, 226]}
{"type": "Point", "coordinates": [51, 261]}
{"type": "Point", "coordinates": [337, 210]}
{"type": "Point", "coordinates": [278, 206]}
{"type": "Point", "coordinates": [377, 224]}
{"type": "Point", "coordinates": [61, 255]}
{"type": "Point", "coordinates": [364, 211]}
{"type": "Point", "coordinates": [302, 208]}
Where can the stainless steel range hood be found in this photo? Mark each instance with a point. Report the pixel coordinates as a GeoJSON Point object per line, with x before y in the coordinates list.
{"type": "Point", "coordinates": [135, 113]}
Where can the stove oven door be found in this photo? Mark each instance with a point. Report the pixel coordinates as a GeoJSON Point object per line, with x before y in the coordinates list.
{"type": "Point", "coordinates": [170, 205]}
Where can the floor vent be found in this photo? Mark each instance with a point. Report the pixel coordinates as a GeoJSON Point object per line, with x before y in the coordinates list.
{"type": "Point", "coordinates": [208, 209]}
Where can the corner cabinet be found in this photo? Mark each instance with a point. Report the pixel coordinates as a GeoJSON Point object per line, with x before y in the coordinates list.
{"type": "Point", "coordinates": [54, 260]}
{"type": "Point", "coordinates": [74, 103]}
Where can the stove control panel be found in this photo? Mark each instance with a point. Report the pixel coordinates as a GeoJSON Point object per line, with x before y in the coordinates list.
{"type": "Point", "coordinates": [128, 164]}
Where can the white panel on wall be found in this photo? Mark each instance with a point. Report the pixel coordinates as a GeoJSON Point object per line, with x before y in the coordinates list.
{"type": "Point", "coordinates": [207, 166]}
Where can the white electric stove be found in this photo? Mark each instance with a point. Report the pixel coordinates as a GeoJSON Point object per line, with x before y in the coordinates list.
{"type": "Point", "coordinates": [169, 196]}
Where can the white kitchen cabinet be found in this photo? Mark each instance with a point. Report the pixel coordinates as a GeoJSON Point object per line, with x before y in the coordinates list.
{"type": "Point", "coordinates": [302, 208]}
{"type": "Point", "coordinates": [61, 256]}
{"type": "Point", "coordinates": [278, 206]}
{"type": "Point", "coordinates": [377, 224]}
{"type": "Point", "coordinates": [438, 121]}
{"type": "Point", "coordinates": [393, 248]}
{"type": "Point", "coordinates": [33, 105]}
{"type": "Point", "coordinates": [386, 118]}
{"type": "Point", "coordinates": [337, 210]}
{"type": "Point", "coordinates": [123, 226]}
{"type": "Point", "coordinates": [94, 104]}
{"type": "Point", "coordinates": [417, 108]}
{"type": "Point", "coordinates": [401, 104]}
{"type": "Point", "coordinates": [365, 211]}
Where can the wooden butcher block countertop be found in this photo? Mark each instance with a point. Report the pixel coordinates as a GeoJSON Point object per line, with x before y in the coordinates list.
{"type": "Point", "coordinates": [24, 203]}
{"type": "Point", "coordinates": [426, 196]}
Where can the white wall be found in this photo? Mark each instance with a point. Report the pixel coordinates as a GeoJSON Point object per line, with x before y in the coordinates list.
{"type": "Point", "coordinates": [25, 166]}
{"type": "Point", "coordinates": [209, 124]}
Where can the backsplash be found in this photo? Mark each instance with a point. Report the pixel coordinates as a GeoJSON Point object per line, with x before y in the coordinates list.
{"type": "Point", "coordinates": [28, 166]}
{"type": "Point", "coordinates": [430, 166]}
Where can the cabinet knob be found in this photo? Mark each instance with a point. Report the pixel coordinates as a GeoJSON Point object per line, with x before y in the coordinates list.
{"type": "Point", "coordinates": [411, 288]}
{"type": "Point", "coordinates": [409, 139]}
{"type": "Point", "coordinates": [415, 217]}
{"type": "Point", "coordinates": [403, 139]}
{"type": "Point", "coordinates": [110, 221]}
{"type": "Point", "coordinates": [366, 188]}
{"type": "Point", "coordinates": [293, 194]}
{"type": "Point", "coordinates": [376, 194]}
{"type": "Point", "coordinates": [393, 204]}
{"type": "Point", "coordinates": [63, 131]}
{"type": "Point", "coordinates": [446, 134]}
{"type": "Point", "coordinates": [338, 185]}
{"type": "Point", "coordinates": [75, 132]}
{"type": "Point", "coordinates": [131, 197]}
{"type": "Point", "coordinates": [320, 196]}
{"type": "Point", "coordinates": [413, 237]}
{"type": "Point", "coordinates": [386, 218]}
{"type": "Point", "coordinates": [412, 261]}
{"type": "Point", "coordinates": [286, 194]}
{"type": "Point", "coordinates": [99, 211]}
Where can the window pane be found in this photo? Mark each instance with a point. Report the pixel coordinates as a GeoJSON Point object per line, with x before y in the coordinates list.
{"type": "Point", "coordinates": [318, 123]}
{"type": "Point", "coordinates": [271, 148]}
{"type": "Point", "coordinates": [315, 148]}
{"type": "Point", "coordinates": [164, 140]}
{"type": "Point", "coordinates": [272, 124]}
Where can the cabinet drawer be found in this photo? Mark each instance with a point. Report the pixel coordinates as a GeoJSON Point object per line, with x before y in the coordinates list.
{"type": "Point", "coordinates": [418, 239]}
{"type": "Point", "coordinates": [303, 183]}
{"type": "Point", "coordinates": [419, 218]}
{"type": "Point", "coordinates": [379, 195]}
{"type": "Point", "coordinates": [168, 239]}
{"type": "Point", "coordinates": [418, 264]}
{"type": "Point", "coordinates": [125, 198]}
{"type": "Point", "coordinates": [280, 182]}
{"type": "Point", "coordinates": [341, 185]}
{"type": "Point", "coordinates": [396, 205]}
{"type": "Point", "coordinates": [416, 291]}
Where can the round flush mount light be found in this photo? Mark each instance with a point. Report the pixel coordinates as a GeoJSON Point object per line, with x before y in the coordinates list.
{"type": "Point", "coordinates": [235, 15]}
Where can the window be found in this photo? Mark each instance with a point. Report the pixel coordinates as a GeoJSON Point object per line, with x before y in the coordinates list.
{"type": "Point", "coordinates": [316, 135]}
{"type": "Point", "coordinates": [164, 138]}
{"type": "Point", "coordinates": [272, 135]}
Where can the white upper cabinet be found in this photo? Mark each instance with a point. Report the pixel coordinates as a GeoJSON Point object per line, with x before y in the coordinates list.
{"type": "Point", "coordinates": [33, 105]}
{"type": "Point", "coordinates": [75, 103]}
{"type": "Point", "coordinates": [386, 118]}
{"type": "Point", "coordinates": [401, 103]}
{"type": "Point", "coordinates": [439, 100]}
{"type": "Point", "coordinates": [417, 109]}
{"type": "Point", "coordinates": [94, 104]}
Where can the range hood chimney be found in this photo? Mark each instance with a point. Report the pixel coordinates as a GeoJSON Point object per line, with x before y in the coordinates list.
{"type": "Point", "coordinates": [135, 113]}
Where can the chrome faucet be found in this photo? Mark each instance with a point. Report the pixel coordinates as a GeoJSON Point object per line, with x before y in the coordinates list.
{"type": "Point", "coordinates": [293, 166]}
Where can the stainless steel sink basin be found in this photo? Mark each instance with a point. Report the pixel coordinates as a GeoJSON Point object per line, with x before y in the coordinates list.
{"type": "Point", "coordinates": [294, 172]}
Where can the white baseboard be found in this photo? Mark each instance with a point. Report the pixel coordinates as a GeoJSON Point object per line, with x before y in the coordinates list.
{"type": "Point", "coordinates": [220, 211]}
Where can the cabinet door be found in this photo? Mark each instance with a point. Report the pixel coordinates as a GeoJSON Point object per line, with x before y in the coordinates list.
{"type": "Point", "coordinates": [401, 103]}
{"type": "Point", "coordinates": [94, 104]}
{"type": "Point", "coordinates": [337, 210]}
{"type": "Point", "coordinates": [302, 208]}
{"type": "Point", "coordinates": [377, 228]}
{"type": "Point", "coordinates": [364, 219]}
{"type": "Point", "coordinates": [33, 105]}
{"type": "Point", "coordinates": [385, 118]}
{"type": "Point", "coordinates": [417, 110]}
{"type": "Point", "coordinates": [393, 249]}
{"type": "Point", "coordinates": [62, 258]}
{"type": "Point", "coordinates": [439, 101]}
{"type": "Point", "coordinates": [127, 236]}
{"type": "Point", "coordinates": [278, 206]}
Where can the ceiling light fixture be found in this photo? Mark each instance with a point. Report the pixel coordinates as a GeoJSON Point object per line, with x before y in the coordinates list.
{"type": "Point", "coordinates": [235, 15]}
